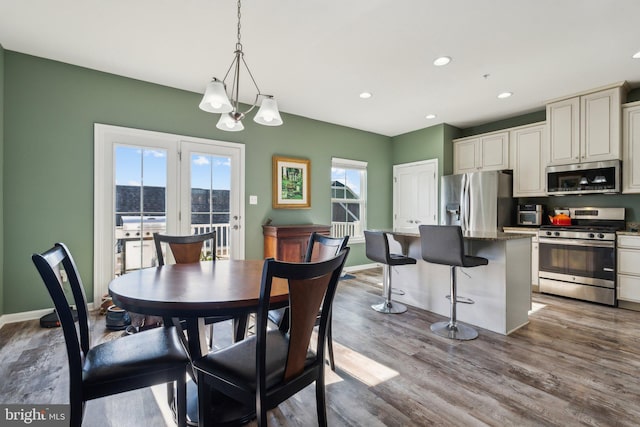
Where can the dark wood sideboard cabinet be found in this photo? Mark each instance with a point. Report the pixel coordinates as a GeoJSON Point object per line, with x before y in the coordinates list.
{"type": "Point", "coordinates": [289, 242]}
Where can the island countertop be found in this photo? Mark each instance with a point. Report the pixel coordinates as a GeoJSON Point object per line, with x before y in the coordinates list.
{"type": "Point", "coordinates": [475, 235]}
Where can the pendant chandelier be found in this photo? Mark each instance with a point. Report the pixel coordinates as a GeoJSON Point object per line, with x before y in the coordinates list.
{"type": "Point", "coordinates": [216, 100]}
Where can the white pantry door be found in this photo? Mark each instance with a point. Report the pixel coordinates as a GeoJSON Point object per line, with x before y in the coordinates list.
{"type": "Point", "coordinates": [415, 195]}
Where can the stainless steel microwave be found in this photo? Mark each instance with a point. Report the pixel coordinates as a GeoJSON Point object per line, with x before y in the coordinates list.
{"type": "Point", "coordinates": [584, 178]}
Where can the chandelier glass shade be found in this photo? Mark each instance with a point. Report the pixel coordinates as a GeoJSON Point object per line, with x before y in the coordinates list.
{"type": "Point", "coordinates": [218, 100]}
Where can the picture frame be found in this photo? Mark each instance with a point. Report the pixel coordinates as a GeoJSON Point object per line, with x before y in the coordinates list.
{"type": "Point", "coordinates": [291, 183]}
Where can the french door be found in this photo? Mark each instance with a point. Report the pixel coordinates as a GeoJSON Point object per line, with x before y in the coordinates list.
{"type": "Point", "coordinates": [150, 181]}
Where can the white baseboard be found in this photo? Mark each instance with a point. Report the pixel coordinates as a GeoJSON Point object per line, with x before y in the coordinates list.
{"type": "Point", "coordinates": [28, 315]}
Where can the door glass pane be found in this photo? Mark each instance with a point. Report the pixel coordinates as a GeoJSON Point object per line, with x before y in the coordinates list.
{"type": "Point", "coordinates": [210, 187]}
{"type": "Point", "coordinates": [140, 193]}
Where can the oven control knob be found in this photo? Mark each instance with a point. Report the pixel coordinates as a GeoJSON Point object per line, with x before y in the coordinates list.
{"type": "Point", "coordinates": [126, 234]}
{"type": "Point", "coordinates": [591, 235]}
{"type": "Point", "coordinates": [557, 233]}
{"type": "Point", "coordinates": [548, 233]}
{"type": "Point", "coordinates": [600, 235]}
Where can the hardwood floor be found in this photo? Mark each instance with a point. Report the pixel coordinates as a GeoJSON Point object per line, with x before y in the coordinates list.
{"type": "Point", "coordinates": [575, 363]}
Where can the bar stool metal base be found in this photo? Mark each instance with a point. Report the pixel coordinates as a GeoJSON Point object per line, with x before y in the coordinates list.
{"type": "Point", "coordinates": [455, 331]}
{"type": "Point", "coordinates": [390, 307]}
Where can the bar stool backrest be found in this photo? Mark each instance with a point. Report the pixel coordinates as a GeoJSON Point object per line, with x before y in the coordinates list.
{"type": "Point", "coordinates": [442, 244]}
{"type": "Point", "coordinates": [377, 246]}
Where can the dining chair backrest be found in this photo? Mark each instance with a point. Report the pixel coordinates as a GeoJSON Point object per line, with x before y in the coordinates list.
{"type": "Point", "coordinates": [323, 247]}
{"type": "Point", "coordinates": [311, 286]}
{"type": "Point", "coordinates": [186, 249]}
{"type": "Point", "coordinates": [52, 265]}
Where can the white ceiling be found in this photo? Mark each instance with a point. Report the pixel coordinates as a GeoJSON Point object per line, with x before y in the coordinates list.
{"type": "Point", "coordinates": [316, 56]}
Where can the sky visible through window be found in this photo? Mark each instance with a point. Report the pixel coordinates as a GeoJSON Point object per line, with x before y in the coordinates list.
{"type": "Point", "coordinates": [135, 165]}
{"type": "Point", "coordinates": [348, 177]}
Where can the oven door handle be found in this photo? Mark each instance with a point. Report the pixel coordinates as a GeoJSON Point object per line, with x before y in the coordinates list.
{"type": "Point", "coordinates": [577, 242]}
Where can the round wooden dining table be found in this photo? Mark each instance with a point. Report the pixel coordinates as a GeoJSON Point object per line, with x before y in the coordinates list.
{"type": "Point", "coordinates": [192, 292]}
{"type": "Point", "coordinates": [195, 291]}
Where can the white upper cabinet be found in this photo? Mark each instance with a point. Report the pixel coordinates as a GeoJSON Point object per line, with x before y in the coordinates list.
{"type": "Point", "coordinates": [631, 148]}
{"type": "Point", "coordinates": [585, 128]}
{"type": "Point", "coordinates": [564, 131]}
{"type": "Point", "coordinates": [528, 159]}
{"type": "Point", "coordinates": [484, 152]}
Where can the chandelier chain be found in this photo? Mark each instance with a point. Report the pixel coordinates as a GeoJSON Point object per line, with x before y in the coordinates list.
{"type": "Point", "coordinates": [239, 44]}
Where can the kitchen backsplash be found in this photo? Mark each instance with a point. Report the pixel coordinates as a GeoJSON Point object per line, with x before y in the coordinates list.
{"type": "Point", "coordinates": [633, 226]}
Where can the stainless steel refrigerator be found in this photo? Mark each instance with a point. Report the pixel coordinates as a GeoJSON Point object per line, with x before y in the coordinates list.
{"type": "Point", "coordinates": [477, 201]}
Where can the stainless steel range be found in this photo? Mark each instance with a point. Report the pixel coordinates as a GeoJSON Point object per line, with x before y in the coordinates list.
{"type": "Point", "coordinates": [579, 260]}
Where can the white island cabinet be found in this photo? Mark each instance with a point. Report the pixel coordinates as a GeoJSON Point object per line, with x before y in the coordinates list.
{"type": "Point", "coordinates": [501, 290]}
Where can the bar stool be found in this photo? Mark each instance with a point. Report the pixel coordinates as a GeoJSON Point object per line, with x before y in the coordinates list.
{"type": "Point", "coordinates": [377, 247]}
{"type": "Point", "coordinates": [443, 244]}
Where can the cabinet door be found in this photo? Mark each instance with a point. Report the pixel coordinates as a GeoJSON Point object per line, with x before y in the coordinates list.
{"type": "Point", "coordinates": [628, 261]}
{"type": "Point", "coordinates": [564, 131]}
{"type": "Point", "coordinates": [494, 151]}
{"type": "Point", "coordinates": [600, 126]}
{"type": "Point", "coordinates": [292, 249]}
{"type": "Point", "coordinates": [631, 144]}
{"type": "Point", "coordinates": [628, 288]}
{"type": "Point", "coordinates": [466, 156]}
{"type": "Point", "coordinates": [529, 157]}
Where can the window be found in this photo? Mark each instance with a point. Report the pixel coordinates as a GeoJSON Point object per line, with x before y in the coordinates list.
{"type": "Point", "coordinates": [348, 198]}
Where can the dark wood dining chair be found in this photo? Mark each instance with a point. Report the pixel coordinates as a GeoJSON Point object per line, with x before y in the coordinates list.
{"type": "Point", "coordinates": [185, 249]}
{"type": "Point", "coordinates": [320, 248]}
{"type": "Point", "coordinates": [117, 366]}
{"type": "Point", "coordinates": [188, 249]}
{"type": "Point", "coordinates": [269, 367]}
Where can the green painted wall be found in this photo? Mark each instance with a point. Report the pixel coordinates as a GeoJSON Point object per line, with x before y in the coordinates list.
{"type": "Point", "coordinates": [1, 179]}
{"type": "Point", "coordinates": [48, 150]}
{"type": "Point", "coordinates": [430, 143]}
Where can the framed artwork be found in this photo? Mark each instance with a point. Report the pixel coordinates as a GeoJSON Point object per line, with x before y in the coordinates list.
{"type": "Point", "coordinates": [291, 183]}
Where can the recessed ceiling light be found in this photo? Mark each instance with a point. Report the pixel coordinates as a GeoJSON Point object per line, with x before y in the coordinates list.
{"type": "Point", "coordinates": [504, 95]}
{"type": "Point", "coordinates": [430, 116]}
{"type": "Point", "coordinates": [443, 60]}
{"type": "Point", "coordinates": [636, 55]}
{"type": "Point", "coordinates": [365, 95]}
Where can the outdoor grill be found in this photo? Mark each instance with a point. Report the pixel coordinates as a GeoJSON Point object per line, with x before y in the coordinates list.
{"type": "Point", "coordinates": [135, 240]}
{"type": "Point", "coordinates": [134, 226]}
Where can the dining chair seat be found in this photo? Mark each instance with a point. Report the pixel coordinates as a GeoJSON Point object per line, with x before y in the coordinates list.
{"type": "Point", "coordinates": [131, 355]}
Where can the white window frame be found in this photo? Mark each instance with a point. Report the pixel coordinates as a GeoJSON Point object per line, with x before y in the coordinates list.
{"type": "Point", "coordinates": [360, 166]}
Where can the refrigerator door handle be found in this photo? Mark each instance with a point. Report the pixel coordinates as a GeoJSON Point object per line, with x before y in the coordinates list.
{"type": "Point", "coordinates": [464, 203]}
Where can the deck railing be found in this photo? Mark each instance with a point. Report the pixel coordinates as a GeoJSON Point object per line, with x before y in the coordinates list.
{"type": "Point", "coordinates": [222, 238]}
{"type": "Point", "coordinates": [345, 228]}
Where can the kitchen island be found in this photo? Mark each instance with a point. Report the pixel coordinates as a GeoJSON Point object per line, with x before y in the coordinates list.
{"type": "Point", "coordinates": [501, 290]}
